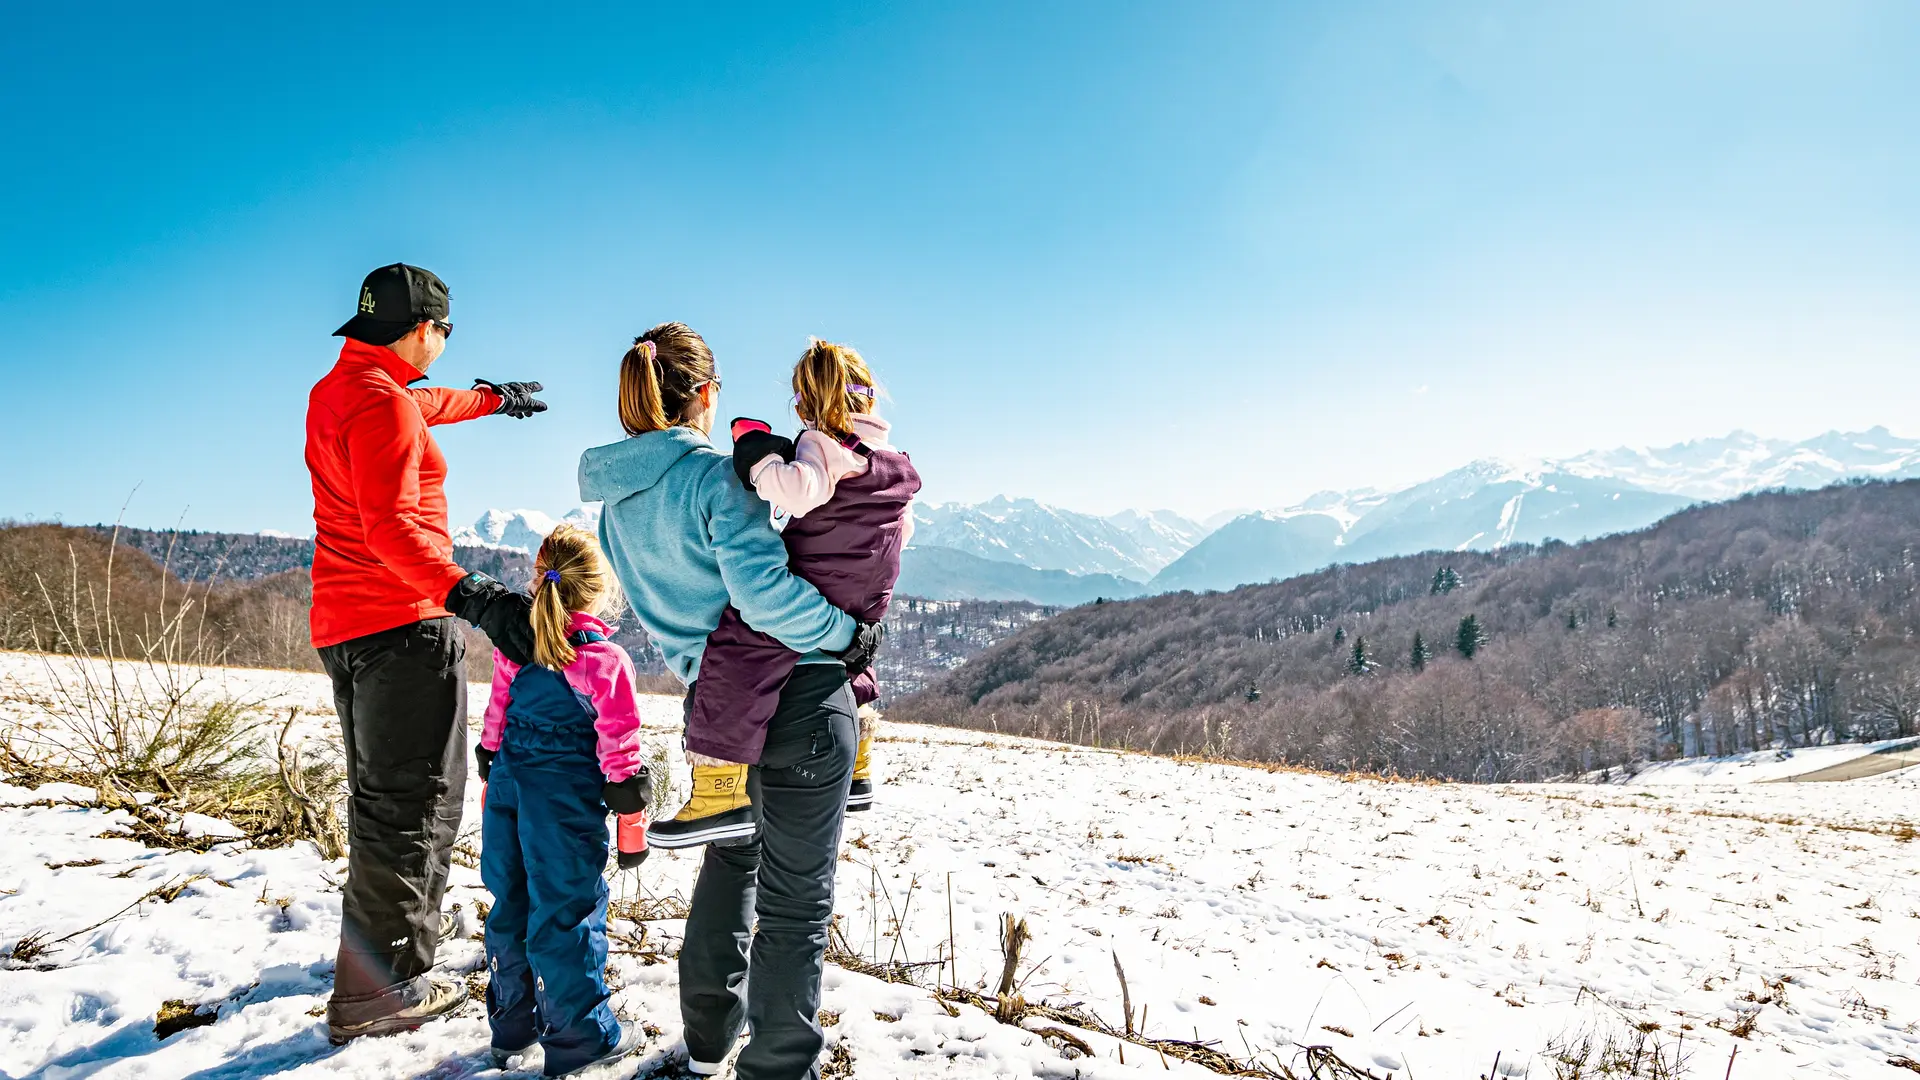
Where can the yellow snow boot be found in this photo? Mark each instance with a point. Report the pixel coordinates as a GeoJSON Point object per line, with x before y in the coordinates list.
{"type": "Point", "coordinates": [860, 795]}
{"type": "Point", "coordinates": [718, 809]}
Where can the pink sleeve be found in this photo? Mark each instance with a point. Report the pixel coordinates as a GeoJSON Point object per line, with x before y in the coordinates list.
{"type": "Point", "coordinates": [604, 673]}
{"type": "Point", "coordinates": [504, 671]}
{"type": "Point", "coordinates": [805, 484]}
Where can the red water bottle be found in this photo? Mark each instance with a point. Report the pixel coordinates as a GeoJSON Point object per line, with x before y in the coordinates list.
{"type": "Point", "coordinates": [630, 836]}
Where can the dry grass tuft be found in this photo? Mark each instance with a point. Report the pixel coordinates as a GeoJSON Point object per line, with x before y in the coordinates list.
{"type": "Point", "coordinates": [1635, 1053]}
{"type": "Point", "coordinates": [839, 1063]}
{"type": "Point", "coordinates": [29, 949]}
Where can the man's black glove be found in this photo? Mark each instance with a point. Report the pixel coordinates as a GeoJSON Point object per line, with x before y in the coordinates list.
{"type": "Point", "coordinates": [858, 655]}
{"type": "Point", "coordinates": [503, 614]}
{"type": "Point", "coordinates": [629, 796]}
{"type": "Point", "coordinates": [516, 398]}
{"type": "Point", "coordinates": [485, 757]}
{"type": "Point", "coordinates": [751, 447]}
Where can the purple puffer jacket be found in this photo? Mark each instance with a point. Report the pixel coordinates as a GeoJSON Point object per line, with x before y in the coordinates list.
{"type": "Point", "coordinates": [849, 549]}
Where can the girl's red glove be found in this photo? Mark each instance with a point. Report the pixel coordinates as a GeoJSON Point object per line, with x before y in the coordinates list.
{"type": "Point", "coordinates": [753, 440]}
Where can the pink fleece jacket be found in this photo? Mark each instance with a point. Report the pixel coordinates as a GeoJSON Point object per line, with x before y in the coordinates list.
{"type": "Point", "coordinates": [603, 674]}
{"type": "Point", "coordinates": [819, 464]}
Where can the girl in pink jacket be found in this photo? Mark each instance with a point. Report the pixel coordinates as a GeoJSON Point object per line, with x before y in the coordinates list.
{"type": "Point", "coordinates": [560, 748]}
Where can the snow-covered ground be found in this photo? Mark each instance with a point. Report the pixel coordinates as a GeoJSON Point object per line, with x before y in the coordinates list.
{"type": "Point", "coordinates": [1757, 767]}
{"type": "Point", "coordinates": [1421, 930]}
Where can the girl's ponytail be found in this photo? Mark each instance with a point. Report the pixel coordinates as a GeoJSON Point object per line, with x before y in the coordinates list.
{"type": "Point", "coordinates": [661, 376]}
{"type": "Point", "coordinates": [550, 618]}
{"type": "Point", "coordinates": [831, 383]}
{"type": "Point", "coordinates": [570, 575]}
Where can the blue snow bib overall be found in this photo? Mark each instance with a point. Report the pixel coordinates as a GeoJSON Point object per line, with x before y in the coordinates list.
{"type": "Point", "coordinates": [543, 856]}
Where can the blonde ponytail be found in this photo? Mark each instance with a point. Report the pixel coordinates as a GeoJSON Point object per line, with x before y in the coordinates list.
{"type": "Point", "coordinates": [831, 384]}
{"type": "Point", "coordinates": [661, 377]}
{"type": "Point", "coordinates": [570, 575]}
{"type": "Point", "coordinates": [640, 407]}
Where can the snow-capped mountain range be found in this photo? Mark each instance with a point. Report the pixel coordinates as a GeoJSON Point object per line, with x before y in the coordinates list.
{"type": "Point", "coordinates": [521, 530]}
{"type": "Point", "coordinates": [1008, 548]}
{"type": "Point", "coordinates": [1130, 544]}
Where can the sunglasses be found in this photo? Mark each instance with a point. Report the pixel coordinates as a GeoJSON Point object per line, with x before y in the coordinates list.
{"type": "Point", "coordinates": [445, 327]}
{"type": "Point", "coordinates": [853, 388]}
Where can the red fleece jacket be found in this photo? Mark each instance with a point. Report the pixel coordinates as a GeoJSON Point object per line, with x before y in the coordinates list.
{"type": "Point", "coordinates": [383, 555]}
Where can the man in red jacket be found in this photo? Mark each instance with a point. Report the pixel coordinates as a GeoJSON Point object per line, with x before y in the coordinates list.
{"type": "Point", "coordinates": [385, 588]}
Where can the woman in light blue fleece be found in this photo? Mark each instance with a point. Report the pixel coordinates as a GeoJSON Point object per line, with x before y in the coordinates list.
{"type": "Point", "coordinates": [686, 539]}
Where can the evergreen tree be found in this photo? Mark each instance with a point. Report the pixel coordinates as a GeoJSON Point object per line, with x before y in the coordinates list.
{"type": "Point", "coordinates": [1359, 662]}
{"type": "Point", "coordinates": [1253, 692]}
{"type": "Point", "coordinates": [1339, 634]}
{"type": "Point", "coordinates": [1613, 618]}
{"type": "Point", "coordinates": [1469, 637]}
{"type": "Point", "coordinates": [1417, 659]}
{"type": "Point", "coordinates": [1573, 620]}
{"type": "Point", "coordinates": [1445, 580]}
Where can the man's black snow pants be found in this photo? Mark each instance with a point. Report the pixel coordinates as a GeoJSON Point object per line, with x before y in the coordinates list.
{"type": "Point", "coordinates": [402, 699]}
{"type": "Point", "coordinates": [768, 978]}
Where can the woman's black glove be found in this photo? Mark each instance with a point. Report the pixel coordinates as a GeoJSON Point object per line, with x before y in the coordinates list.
{"type": "Point", "coordinates": [505, 615]}
{"type": "Point", "coordinates": [629, 796]}
{"type": "Point", "coordinates": [485, 757]}
{"type": "Point", "coordinates": [752, 442]}
{"type": "Point", "coordinates": [516, 398]}
{"type": "Point", "coordinates": [858, 655]}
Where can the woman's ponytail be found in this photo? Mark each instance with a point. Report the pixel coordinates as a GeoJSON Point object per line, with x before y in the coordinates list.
{"type": "Point", "coordinates": [661, 376]}
{"type": "Point", "coordinates": [830, 384]}
{"type": "Point", "coordinates": [640, 407]}
{"type": "Point", "coordinates": [570, 575]}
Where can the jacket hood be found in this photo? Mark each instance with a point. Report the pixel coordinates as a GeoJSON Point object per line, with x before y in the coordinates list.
{"type": "Point", "coordinates": [612, 472]}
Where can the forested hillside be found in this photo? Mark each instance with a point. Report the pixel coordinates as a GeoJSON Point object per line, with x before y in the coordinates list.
{"type": "Point", "coordinates": [242, 599]}
{"type": "Point", "coordinates": [217, 556]}
{"type": "Point", "coordinates": [1776, 619]}
{"type": "Point", "coordinates": [219, 598]}
{"type": "Point", "coordinates": [926, 639]}
{"type": "Point", "coordinates": [73, 590]}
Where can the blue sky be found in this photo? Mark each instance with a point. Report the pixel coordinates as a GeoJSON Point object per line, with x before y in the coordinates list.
{"type": "Point", "coordinates": [1106, 255]}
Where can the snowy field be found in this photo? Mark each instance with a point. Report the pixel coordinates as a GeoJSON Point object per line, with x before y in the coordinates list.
{"type": "Point", "coordinates": [1419, 930]}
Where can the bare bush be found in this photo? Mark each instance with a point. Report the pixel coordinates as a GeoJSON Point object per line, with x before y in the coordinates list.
{"type": "Point", "coordinates": [132, 710]}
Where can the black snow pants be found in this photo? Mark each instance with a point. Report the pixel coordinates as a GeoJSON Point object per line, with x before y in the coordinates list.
{"type": "Point", "coordinates": [732, 973]}
{"type": "Point", "coordinates": [402, 699]}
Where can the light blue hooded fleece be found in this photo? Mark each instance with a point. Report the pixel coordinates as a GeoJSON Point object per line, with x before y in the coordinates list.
{"type": "Point", "coordinates": [685, 538]}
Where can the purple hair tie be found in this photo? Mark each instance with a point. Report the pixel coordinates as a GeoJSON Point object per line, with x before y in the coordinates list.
{"type": "Point", "coordinates": [553, 576]}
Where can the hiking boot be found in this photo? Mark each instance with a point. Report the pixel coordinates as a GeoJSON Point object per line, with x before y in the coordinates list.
{"type": "Point", "coordinates": [860, 795]}
{"type": "Point", "coordinates": [631, 1038]}
{"type": "Point", "coordinates": [449, 927]}
{"type": "Point", "coordinates": [677, 1066]}
{"type": "Point", "coordinates": [441, 999]}
{"type": "Point", "coordinates": [718, 809]}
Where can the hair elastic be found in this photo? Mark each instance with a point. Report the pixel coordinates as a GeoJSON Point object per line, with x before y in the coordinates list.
{"type": "Point", "coordinates": [652, 351]}
{"type": "Point", "coordinates": [553, 576]}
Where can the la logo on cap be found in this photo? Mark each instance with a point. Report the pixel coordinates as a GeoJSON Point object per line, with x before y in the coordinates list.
{"type": "Point", "coordinates": [366, 301]}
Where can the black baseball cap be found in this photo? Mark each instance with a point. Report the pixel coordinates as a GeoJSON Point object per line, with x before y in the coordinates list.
{"type": "Point", "coordinates": [393, 300]}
